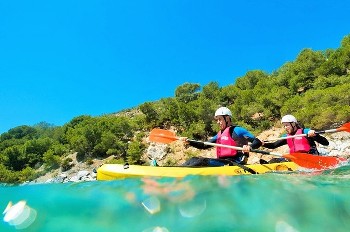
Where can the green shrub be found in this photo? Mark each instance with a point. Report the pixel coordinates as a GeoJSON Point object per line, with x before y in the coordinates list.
{"type": "Point", "coordinates": [66, 164]}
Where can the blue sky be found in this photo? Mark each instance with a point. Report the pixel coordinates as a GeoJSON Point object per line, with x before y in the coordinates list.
{"type": "Point", "coordinates": [62, 59]}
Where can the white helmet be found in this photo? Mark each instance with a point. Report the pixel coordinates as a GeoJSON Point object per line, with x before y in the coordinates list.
{"type": "Point", "coordinates": [223, 111]}
{"type": "Point", "coordinates": [289, 118]}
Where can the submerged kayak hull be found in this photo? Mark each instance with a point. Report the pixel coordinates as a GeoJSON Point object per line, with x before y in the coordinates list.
{"type": "Point", "coordinates": [119, 171]}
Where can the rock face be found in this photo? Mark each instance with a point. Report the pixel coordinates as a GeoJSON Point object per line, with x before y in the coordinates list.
{"type": "Point", "coordinates": [157, 151]}
{"type": "Point", "coordinates": [83, 175]}
{"type": "Point", "coordinates": [80, 171]}
{"type": "Point", "coordinates": [177, 152]}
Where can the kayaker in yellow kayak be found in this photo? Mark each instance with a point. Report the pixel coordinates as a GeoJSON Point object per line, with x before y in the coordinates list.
{"type": "Point", "coordinates": [298, 139]}
{"type": "Point", "coordinates": [228, 135]}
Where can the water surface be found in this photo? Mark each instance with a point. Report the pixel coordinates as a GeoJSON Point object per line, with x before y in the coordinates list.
{"type": "Point", "coordinates": [308, 201]}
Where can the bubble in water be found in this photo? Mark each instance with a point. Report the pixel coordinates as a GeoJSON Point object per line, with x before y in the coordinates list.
{"type": "Point", "coordinates": [192, 208]}
{"type": "Point", "coordinates": [152, 205]}
{"type": "Point", "coordinates": [156, 229]}
{"type": "Point", "coordinates": [19, 215]}
{"type": "Point", "coordinates": [282, 226]}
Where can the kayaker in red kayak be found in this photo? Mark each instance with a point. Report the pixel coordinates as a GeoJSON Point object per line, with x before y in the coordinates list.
{"type": "Point", "coordinates": [302, 144]}
{"type": "Point", "coordinates": [228, 135]}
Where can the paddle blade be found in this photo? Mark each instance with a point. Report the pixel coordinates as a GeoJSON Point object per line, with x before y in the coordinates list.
{"type": "Point", "coordinates": [162, 136]}
{"type": "Point", "coordinates": [345, 127]}
{"type": "Point", "coordinates": [314, 161]}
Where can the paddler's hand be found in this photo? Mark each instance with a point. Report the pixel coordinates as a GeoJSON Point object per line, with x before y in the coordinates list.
{"type": "Point", "coordinates": [311, 133]}
{"type": "Point", "coordinates": [246, 148]}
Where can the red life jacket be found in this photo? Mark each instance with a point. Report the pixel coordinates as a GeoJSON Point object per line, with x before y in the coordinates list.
{"type": "Point", "coordinates": [225, 139]}
{"type": "Point", "coordinates": [298, 144]}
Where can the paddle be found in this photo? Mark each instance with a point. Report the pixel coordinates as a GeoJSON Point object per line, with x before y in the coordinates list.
{"type": "Point", "coordinates": [344, 127]}
{"type": "Point", "coordinates": [302, 159]}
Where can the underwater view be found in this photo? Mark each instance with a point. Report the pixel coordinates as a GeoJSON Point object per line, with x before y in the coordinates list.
{"type": "Point", "coordinates": [295, 201]}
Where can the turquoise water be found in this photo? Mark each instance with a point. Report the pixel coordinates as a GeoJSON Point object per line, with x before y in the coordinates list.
{"type": "Point", "coordinates": [269, 202]}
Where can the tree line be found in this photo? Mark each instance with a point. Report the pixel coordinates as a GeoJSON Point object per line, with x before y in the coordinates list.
{"type": "Point", "coordinates": [314, 88]}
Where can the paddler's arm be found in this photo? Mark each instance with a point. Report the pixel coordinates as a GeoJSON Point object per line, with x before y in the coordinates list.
{"type": "Point", "coordinates": [242, 132]}
{"type": "Point", "coordinates": [275, 144]}
{"type": "Point", "coordinates": [256, 143]}
{"type": "Point", "coordinates": [321, 140]}
{"type": "Point", "coordinates": [199, 144]}
{"type": "Point", "coordinates": [317, 137]}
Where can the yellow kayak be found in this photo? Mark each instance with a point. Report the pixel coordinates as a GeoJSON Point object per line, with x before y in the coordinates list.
{"type": "Point", "coordinates": [119, 171]}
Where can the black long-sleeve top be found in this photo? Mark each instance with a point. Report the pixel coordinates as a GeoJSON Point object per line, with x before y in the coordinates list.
{"type": "Point", "coordinates": [234, 131]}
{"type": "Point", "coordinates": [317, 138]}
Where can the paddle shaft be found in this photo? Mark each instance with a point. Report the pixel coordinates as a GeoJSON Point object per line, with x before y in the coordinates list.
{"type": "Point", "coordinates": [344, 127]}
{"type": "Point", "coordinates": [305, 135]}
{"type": "Point", "coordinates": [302, 159]}
{"type": "Point", "coordinates": [237, 148]}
